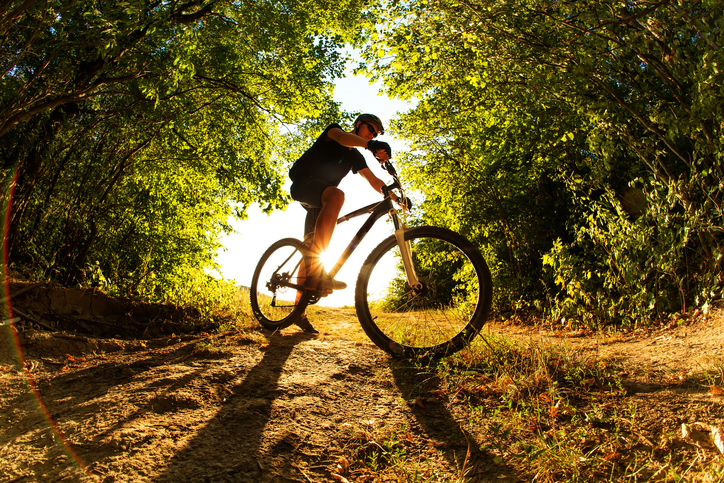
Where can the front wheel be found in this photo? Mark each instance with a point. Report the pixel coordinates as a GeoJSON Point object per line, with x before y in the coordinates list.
{"type": "Point", "coordinates": [439, 317]}
{"type": "Point", "coordinates": [275, 300]}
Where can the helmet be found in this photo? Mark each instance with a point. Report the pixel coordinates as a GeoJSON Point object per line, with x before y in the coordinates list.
{"type": "Point", "coordinates": [372, 119]}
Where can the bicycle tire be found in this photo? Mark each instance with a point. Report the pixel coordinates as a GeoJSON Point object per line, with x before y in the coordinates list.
{"type": "Point", "coordinates": [437, 320]}
{"type": "Point", "coordinates": [273, 302]}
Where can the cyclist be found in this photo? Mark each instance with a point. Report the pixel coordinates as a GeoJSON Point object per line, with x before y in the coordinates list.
{"type": "Point", "coordinates": [315, 177]}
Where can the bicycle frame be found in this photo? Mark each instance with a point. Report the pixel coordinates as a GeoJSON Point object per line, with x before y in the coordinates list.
{"type": "Point", "coordinates": [377, 211]}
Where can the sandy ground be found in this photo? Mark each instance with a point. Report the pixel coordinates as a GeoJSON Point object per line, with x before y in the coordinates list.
{"type": "Point", "coordinates": [288, 406]}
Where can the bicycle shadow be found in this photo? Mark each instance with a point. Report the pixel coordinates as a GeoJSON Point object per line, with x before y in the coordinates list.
{"type": "Point", "coordinates": [228, 447]}
{"type": "Point", "coordinates": [444, 430]}
{"type": "Point", "coordinates": [51, 412]}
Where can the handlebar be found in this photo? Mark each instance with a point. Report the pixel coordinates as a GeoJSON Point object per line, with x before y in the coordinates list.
{"type": "Point", "coordinates": [403, 200]}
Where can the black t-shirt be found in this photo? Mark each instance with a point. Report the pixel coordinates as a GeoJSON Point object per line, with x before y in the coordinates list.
{"type": "Point", "coordinates": [328, 160]}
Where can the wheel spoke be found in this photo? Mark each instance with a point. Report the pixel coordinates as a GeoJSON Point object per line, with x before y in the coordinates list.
{"type": "Point", "coordinates": [275, 300]}
{"type": "Point", "coordinates": [444, 314]}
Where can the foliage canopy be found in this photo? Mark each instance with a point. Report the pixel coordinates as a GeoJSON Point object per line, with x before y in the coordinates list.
{"type": "Point", "coordinates": [578, 143]}
{"type": "Point", "coordinates": [132, 130]}
{"type": "Point", "coordinates": [584, 135]}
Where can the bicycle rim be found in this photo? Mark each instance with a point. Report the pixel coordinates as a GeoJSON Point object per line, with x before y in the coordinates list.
{"type": "Point", "coordinates": [274, 303]}
{"type": "Point", "coordinates": [436, 320]}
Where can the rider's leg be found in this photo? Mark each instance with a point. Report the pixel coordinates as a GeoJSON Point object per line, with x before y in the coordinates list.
{"type": "Point", "coordinates": [309, 225]}
{"type": "Point", "coordinates": [332, 201]}
{"type": "Point", "coordinates": [306, 326]}
{"type": "Point", "coordinates": [303, 322]}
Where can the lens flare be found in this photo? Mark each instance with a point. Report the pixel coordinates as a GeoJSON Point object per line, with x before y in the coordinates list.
{"type": "Point", "coordinates": [16, 349]}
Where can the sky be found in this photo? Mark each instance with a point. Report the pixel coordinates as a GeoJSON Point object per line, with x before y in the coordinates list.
{"type": "Point", "coordinates": [253, 236]}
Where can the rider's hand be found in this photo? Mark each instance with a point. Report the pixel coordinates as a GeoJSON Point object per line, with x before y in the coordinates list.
{"type": "Point", "coordinates": [380, 149]}
{"type": "Point", "coordinates": [406, 205]}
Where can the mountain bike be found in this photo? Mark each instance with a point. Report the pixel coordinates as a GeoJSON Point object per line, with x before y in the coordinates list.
{"type": "Point", "coordinates": [424, 292]}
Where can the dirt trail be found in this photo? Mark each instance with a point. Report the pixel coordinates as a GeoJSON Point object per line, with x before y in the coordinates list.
{"type": "Point", "coordinates": [277, 407]}
{"type": "Point", "coordinates": [276, 412]}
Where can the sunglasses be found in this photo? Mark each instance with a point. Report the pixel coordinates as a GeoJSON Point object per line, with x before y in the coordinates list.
{"type": "Point", "coordinates": [371, 129]}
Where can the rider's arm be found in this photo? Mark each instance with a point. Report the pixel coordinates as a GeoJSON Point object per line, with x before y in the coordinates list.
{"type": "Point", "coordinates": [347, 138]}
{"type": "Point", "coordinates": [354, 141]}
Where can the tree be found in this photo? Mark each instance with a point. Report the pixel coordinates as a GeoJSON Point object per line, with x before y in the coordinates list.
{"type": "Point", "coordinates": [602, 97]}
{"type": "Point", "coordinates": [134, 129]}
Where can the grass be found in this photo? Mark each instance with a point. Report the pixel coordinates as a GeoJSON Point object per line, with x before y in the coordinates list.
{"type": "Point", "coordinates": [235, 324]}
{"type": "Point", "coordinates": [562, 415]}
{"type": "Point", "coordinates": [540, 411]}
{"type": "Point", "coordinates": [378, 451]}
{"type": "Point", "coordinates": [714, 374]}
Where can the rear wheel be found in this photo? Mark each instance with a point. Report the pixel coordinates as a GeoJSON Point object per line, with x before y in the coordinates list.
{"type": "Point", "coordinates": [439, 317]}
{"type": "Point", "coordinates": [275, 300]}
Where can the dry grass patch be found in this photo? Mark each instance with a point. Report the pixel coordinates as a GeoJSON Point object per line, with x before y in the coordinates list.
{"type": "Point", "coordinates": [558, 414]}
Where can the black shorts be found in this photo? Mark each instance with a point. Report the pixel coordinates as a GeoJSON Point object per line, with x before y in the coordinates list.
{"type": "Point", "coordinates": [308, 191]}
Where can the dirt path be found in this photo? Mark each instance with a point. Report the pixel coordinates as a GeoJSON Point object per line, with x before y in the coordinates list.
{"type": "Point", "coordinates": [281, 410]}
{"type": "Point", "coordinates": [283, 407]}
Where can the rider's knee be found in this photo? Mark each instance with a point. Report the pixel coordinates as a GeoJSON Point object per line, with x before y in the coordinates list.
{"type": "Point", "coordinates": [333, 196]}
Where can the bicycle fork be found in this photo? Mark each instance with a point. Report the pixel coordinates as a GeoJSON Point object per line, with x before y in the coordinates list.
{"type": "Point", "coordinates": [406, 254]}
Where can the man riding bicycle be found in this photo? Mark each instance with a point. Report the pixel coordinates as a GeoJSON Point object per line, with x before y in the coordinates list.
{"type": "Point", "coordinates": [315, 177]}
